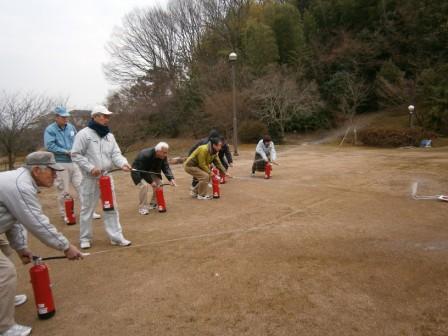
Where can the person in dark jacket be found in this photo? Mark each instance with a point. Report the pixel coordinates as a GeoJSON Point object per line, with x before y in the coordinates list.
{"type": "Point", "coordinates": [213, 134]}
{"type": "Point", "coordinates": [153, 160]}
{"type": "Point", "coordinates": [224, 154]}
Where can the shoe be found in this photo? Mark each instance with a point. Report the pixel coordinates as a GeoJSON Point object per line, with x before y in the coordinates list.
{"type": "Point", "coordinates": [152, 206]}
{"type": "Point", "coordinates": [204, 198]}
{"type": "Point", "coordinates": [17, 330]}
{"type": "Point", "coordinates": [20, 300]}
{"type": "Point", "coordinates": [123, 242]}
{"type": "Point", "coordinates": [85, 245]}
{"type": "Point", "coordinates": [96, 216]}
{"type": "Point", "coordinates": [143, 211]}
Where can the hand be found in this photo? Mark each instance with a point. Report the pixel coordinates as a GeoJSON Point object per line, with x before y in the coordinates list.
{"type": "Point", "coordinates": [72, 253]}
{"type": "Point", "coordinates": [173, 183]}
{"type": "Point", "coordinates": [25, 255]}
{"type": "Point", "coordinates": [154, 184]}
{"type": "Point", "coordinates": [228, 175]}
{"type": "Point", "coordinates": [95, 172]}
{"type": "Point", "coordinates": [126, 167]}
{"type": "Point", "coordinates": [68, 153]}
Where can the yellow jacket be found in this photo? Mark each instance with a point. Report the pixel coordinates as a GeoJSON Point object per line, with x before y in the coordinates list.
{"type": "Point", "coordinates": [202, 157]}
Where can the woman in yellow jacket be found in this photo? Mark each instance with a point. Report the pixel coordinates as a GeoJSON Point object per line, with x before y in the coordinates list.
{"type": "Point", "coordinates": [198, 166]}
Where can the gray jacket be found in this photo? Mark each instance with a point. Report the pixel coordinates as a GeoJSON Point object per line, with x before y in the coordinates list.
{"type": "Point", "coordinates": [90, 151]}
{"type": "Point", "coordinates": [20, 211]}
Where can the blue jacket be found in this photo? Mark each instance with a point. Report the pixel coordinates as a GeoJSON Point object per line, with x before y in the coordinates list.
{"type": "Point", "coordinates": [59, 141]}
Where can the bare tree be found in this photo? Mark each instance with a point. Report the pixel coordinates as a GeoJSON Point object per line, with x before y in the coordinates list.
{"type": "Point", "coordinates": [19, 113]}
{"type": "Point", "coordinates": [278, 96]}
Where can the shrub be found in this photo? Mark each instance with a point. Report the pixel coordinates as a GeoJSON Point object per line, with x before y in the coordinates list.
{"type": "Point", "coordinates": [251, 131]}
{"type": "Point", "coordinates": [380, 137]}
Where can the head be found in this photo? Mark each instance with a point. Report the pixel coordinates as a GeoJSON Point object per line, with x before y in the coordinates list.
{"type": "Point", "coordinates": [223, 139]}
{"type": "Point", "coordinates": [267, 140]}
{"type": "Point", "coordinates": [62, 116]}
{"type": "Point", "coordinates": [101, 115]}
{"type": "Point", "coordinates": [43, 168]}
{"type": "Point", "coordinates": [162, 150]}
{"type": "Point", "coordinates": [213, 134]}
{"type": "Point", "coordinates": [216, 144]}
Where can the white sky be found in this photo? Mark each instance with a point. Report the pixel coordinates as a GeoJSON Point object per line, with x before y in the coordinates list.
{"type": "Point", "coordinates": [57, 47]}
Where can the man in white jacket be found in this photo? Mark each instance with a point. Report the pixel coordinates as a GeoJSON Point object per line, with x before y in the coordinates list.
{"type": "Point", "coordinates": [96, 151]}
{"type": "Point", "coordinates": [21, 212]}
{"type": "Point", "coordinates": [265, 152]}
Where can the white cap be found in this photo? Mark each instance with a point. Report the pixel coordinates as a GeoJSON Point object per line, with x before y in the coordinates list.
{"type": "Point", "coordinates": [100, 109]}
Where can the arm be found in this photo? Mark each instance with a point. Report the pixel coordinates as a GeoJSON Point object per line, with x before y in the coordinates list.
{"type": "Point", "coordinates": [218, 164]}
{"type": "Point", "coordinates": [79, 150]}
{"type": "Point", "coordinates": [260, 151]}
{"type": "Point", "coordinates": [167, 170]}
{"type": "Point", "coordinates": [24, 206]}
{"type": "Point", "coordinates": [51, 144]}
{"type": "Point", "coordinates": [228, 155]}
{"type": "Point", "coordinates": [117, 158]}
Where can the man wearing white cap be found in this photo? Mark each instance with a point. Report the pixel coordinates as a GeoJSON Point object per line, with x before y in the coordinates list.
{"type": "Point", "coordinates": [96, 151]}
{"type": "Point", "coordinates": [58, 138]}
{"type": "Point", "coordinates": [21, 212]}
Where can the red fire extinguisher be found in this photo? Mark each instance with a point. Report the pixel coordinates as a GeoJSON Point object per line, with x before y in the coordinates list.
{"type": "Point", "coordinates": [106, 193]}
{"type": "Point", "coordinates": [69, 205]}
{"type": "Point", "coordinates": [267, 170]}
{"type": "Point", "coordinates": [43, 296]}
{"type": "Point", "coordinates": [215, 183]}
{"type": "Point", "coordinates": [161, 205]}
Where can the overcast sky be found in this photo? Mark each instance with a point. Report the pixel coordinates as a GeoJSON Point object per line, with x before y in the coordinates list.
{"type": "Point", "coordinates": [57, 47]}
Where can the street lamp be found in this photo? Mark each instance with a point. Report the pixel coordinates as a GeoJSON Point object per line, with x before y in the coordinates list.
{"type": "Point", "coordinates": [411, 109]}
{"type": "Point", "coordinates": [232, 59]}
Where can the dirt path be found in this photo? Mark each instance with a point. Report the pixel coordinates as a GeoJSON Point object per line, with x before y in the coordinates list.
{"type": "Point", "coordinates": [331, 245]}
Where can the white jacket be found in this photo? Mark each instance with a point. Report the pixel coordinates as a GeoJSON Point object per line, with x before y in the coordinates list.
{"type": "Point", "coordinates": [20, 211]}
{"type": "Point", "coordinates": [90, 151]}
{"type": "Point", "coordinates": [265, 151]}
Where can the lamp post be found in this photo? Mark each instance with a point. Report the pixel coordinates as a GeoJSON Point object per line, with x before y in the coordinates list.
{"type": "Point", "coordinates": [411, 109]}
{"type": "Point", "coordinates": [232, 59]}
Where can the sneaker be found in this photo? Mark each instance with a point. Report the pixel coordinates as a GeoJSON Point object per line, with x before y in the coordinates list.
{"type": "Point", "coordinates": [123, 242]}
{"type": "Point", "coordinates": [20, 300]}
{"type": "Point", "coordinates": [152, 206]}
{"type": "Point", "coordinates": [17, 330]}
{"type": "Point", "coordinates": [85, 245]}
{"type": "Point", "coordinates": [204, 198]}
{"type": "Point", "coordinates": [96, 216]}
{"type": "Point", "coordinates": [143, 211]}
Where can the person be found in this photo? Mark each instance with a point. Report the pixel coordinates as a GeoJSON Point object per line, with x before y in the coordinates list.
{"type": "Point", "coordinates": [224, 154]}
{"type": "Point", "coordinates": [213, 134]}
{"type": "Point", "coordinates": [155, 161]}
{"type": "Point", "coordinates": [96, 151]}
{"type": "Point", "coordinates": [21, 212]}
{"type": "Point", "coordinates": [58, 139]}
{"type": "Point", "coordinates": [198, 166]}
{"type": "Point", "coordinates": [264, 152]}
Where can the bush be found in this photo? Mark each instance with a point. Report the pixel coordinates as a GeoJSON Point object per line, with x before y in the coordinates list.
{"type": "Point", "coordinates": [380, 137]}
{"type": "Point", "coordinates": [251, 131]}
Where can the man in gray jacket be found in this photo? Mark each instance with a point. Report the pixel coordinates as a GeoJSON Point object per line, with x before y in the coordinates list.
{"type": "Point", "coordinates": [20, 211]}
{"type": "Point", "coordinates": [96, 151]}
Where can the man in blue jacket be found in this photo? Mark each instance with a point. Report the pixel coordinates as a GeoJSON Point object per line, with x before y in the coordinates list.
{"type": "Point", "coordinates": [58, 139]}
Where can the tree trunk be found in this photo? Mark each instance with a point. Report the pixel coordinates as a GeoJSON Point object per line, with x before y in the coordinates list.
{"type": "Point", "coordinates": [11, 160]}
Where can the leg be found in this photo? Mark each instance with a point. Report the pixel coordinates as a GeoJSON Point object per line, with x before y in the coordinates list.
{"type": "Point", "coordinates": [158, 182]}
{"type": "Point", "coordinates": [203, 178]}
{"type": "Point", "coordinates": [112, 220]}
{"type": "Point", "coordinates": [76, 178]}
{"type": "Point", "coordinates": [143, 195]}
{"type": "Point", "coordinates": [89, 198]}
{"type": "Point", "coordinates": [62, 185]}
{"type": "Point", "coordinates": [8, 281]}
